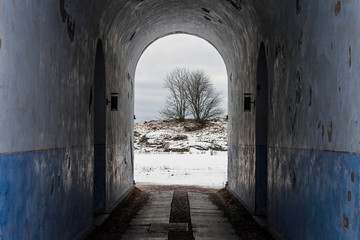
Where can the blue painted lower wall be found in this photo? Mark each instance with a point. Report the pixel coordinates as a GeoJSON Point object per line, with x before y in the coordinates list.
{"type": "Point", "coordinates": [314, 194]}
{"type": "Point", "coordinates": [49, 194]}
{"type": "Point", "coordinates": [46, 194]}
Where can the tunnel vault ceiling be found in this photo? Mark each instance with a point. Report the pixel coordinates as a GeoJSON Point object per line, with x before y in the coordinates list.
{"type": "Point", "coordinates": [133, 25]}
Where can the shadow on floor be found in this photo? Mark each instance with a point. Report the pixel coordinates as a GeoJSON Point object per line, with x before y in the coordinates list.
{"type": "Point", "coordinates": [180, 213]}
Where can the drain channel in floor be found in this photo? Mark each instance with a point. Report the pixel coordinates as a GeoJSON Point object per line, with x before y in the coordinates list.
{"type": "Point", "coordinates": [162, 227]}
{"type": "Point", "coordinates": [180, 214]}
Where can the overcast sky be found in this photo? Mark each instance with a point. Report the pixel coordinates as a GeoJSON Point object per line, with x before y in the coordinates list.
{"type": "Point", "coordinates": [162, 57]}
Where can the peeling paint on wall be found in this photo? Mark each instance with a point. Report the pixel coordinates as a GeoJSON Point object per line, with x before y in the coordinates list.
{"type": "Point", "coordinates": [330, 131]}
{"type": "Point", "coordinates": [66, 17]}
{"type": "Point", "coordinates": [346, 223]}
{"type": "Point", "coordinates": [207, 18]}
{"type": "Point", "coordinates": [71, 27]}
{"type": "Point", "coordinates": [52, 187]}
{"type": "Point", "coordinates": [349, 56]}
{"type": "Point", "coordinates": [235, 4]}
{"type": "Point", "coordinates": [67, 160]}
{"type": "Point", "coordinates": [205, 10]}
{"type": "Point", "coordinates": [298, 90]}
{"type": "Point", "coordinates": [132, 36]}
{"type": "Point", "coordinates": [337, 7]}
{"type": "Point", "coordinates": [63, 12]}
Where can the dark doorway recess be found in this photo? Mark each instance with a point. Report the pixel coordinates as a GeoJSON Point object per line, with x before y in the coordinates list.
{"type": "Point", "coordinates": [99, 130]}
{"type": "Point", "coordinates": [261, 171]}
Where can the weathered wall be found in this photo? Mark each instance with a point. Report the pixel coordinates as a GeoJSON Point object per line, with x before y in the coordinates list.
{"type": "Point", "coordinates": [313, 116]}
{"type": "Point", "coordinates": [46, 153]}
{"type": "Point", "coordinates": [313, 161]}
{"type": "Point", "coordinates": [47, 56]}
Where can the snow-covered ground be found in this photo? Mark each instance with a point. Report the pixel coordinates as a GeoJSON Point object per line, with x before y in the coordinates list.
{"type": "Point", "coordinates": [203, 170]}
{"type": "Point", "coordinates": [174, 136]}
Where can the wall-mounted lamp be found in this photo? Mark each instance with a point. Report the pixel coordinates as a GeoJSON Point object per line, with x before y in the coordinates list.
{"type": "Point", "coordinates": [114, 99]}
{"type": "Point", "coordinates": [248, 102]}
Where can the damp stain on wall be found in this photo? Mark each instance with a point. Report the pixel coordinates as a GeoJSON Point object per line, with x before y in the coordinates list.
{"type": "Point", "coordinates": [293, 180]}
{"type": "Point", "coordinates": [300, 42]}
{"type": "Point", "coordinates": [298, 7]}
{"type": "Point", "coordinates": [298, 90]}
{"type": "Point", "coordinates": [59, 181]}
{"type": "Point", "coordinates": [90, 100]}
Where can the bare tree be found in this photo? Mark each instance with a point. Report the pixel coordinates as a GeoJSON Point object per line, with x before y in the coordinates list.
{"type": "Point", "coordinates": [202, 97]}
{"type": "Point", "coordinates": [176, 101]}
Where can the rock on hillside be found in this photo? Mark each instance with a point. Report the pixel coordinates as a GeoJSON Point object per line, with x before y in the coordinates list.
{"type": "Point", "coordinates": [175, 136]}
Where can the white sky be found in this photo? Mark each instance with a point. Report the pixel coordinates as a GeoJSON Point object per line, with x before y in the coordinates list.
{"type": "Point", "coordinates": [166, 54]}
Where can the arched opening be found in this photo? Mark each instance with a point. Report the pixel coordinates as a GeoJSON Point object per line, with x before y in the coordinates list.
{"type": "Point", "coordinates": [99, 129]}
{"type": "Point", "coordinates": [261, 134]}
{"type": "Point", "coordinates": [160, 58]}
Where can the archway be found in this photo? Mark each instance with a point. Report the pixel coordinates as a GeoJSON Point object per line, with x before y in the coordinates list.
{"type": "Point", "coordinates": [99, 129]}
{"type": "Point", "coordinates": [261, 133]}
{"type": "Point", "coordinates": [177, 51]}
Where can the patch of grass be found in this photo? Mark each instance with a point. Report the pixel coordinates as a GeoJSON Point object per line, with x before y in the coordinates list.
{"type": "Point", "coordinates": [143, 139]}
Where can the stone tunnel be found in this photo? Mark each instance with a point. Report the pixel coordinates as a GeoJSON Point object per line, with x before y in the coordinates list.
{"type": "Point", "coordinates": [293, 156]}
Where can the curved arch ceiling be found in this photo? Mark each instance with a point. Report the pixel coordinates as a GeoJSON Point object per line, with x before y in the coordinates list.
{"type": "Point", "coordinates": [134, 25]}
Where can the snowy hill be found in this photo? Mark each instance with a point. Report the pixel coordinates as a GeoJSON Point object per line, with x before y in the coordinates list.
{"type": "Point", "coordinates": [181, 137]}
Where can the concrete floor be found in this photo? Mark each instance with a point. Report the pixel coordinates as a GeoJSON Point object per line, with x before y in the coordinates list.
{"type": "Point", "coordinates": [173, 212]}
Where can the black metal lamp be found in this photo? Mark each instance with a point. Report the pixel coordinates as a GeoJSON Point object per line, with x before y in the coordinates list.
{"type": "Point", "coordinates": [248, 102]}
{"type": "Point", "coordinates": [114, 101]}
